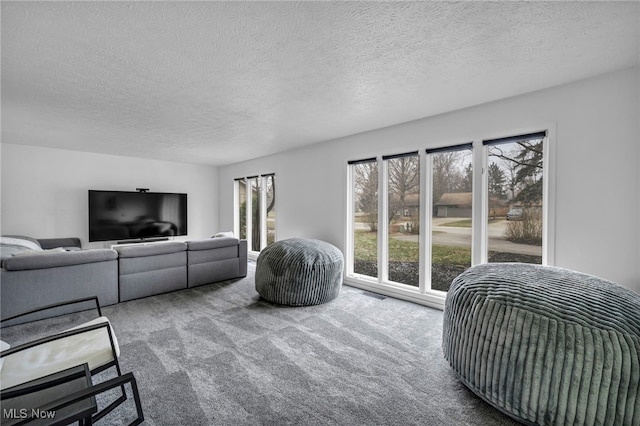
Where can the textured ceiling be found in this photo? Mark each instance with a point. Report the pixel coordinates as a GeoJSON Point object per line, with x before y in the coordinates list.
{"type": "Point", "coordinates": [221, 82]}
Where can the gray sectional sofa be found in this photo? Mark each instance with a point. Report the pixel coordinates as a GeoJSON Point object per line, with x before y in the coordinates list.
{"type": "Point", "coordinates": [60, 270]}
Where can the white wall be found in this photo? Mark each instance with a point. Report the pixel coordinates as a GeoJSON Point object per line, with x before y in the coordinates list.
{"type": "Point", "coordinates": [44, 191]}
{"type": "Point", "coordinates": [597, 170]}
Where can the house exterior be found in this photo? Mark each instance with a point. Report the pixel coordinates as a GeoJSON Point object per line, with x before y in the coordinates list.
{"type": "Point", "coordinates": [459, 204]}
{"type": "Point", "coordinates": [454, 204]}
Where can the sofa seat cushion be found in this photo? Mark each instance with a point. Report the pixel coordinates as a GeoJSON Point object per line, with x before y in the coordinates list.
{"type": "Point", "coordinates": [53, 259]}
{"type": "Point", "coordinates": [92, 347]}
{"type": "Point", "coordinates": [151, 249]}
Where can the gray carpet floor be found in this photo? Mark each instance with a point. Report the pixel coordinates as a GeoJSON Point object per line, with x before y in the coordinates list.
{"type": "Point", "coordinates": [219, 355]}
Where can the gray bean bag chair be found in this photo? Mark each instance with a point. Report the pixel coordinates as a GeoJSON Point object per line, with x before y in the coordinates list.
{"type": "Point", "coordinates": [299, 272]}
{"type": "Point", "coordinates": [546, 345]}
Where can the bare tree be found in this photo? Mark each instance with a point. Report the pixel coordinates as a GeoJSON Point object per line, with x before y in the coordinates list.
{"type": "Point", "coordinates": [449, 175]}
{"type": "Point", "coordinates": [497, 180]}
{"type": "Point", "coordinates": [366, 188]}
{"type": "Point", "coordinates": [404, 179]}
{"type": "Point", "coordinates": [524, 163]}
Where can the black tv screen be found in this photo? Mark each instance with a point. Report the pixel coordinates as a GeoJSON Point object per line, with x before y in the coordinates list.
{"type": "Point", "coordinates": [122, 215]}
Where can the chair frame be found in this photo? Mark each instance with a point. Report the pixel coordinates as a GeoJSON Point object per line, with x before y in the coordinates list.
{"type": "Point", "coordinates": [120, 380]}
{"type": "Point", "coordinates": [75, 397]}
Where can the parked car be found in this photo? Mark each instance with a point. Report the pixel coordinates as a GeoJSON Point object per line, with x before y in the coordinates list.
{"type": "Point", "coordinates": [515, 213]}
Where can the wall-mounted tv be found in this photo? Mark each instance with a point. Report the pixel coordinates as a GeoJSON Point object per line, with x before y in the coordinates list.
{"type": "Point", "coordinates": [122, 215]}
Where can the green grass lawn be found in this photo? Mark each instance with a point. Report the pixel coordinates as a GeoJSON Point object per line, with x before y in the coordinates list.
{"type": "Point", "coordinates": [407, 251]}
{"type": "Point", "coordinates": [464, 223]}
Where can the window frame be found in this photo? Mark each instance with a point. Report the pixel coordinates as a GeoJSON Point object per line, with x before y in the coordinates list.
{"type": "Point", "coordinates": [428, 222]}
{"type": "Point", "coordinates": [423, 294]}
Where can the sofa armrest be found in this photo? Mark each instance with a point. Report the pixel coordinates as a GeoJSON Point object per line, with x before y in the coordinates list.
{"type": "Point", "coordinates": [52, 260]}
{"type": "Point", "coordinates": [50, 243]}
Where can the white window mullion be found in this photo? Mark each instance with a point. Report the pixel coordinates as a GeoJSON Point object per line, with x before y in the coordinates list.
{"type": "Point", "coordinates": [383, 222]}
{"type": "Point", "coordinates": [263, 211]}
{"type": "Point", "coordinates": [249, 215]}
{"type": "Point", "coordinates": [426, 211]}
{"type": "Point", "coordinates": [480, 205]}
{"type": "Point", "coordinates": [548, 196]}
{"type": "Point", "coordinates": [236, 209]}
{"type": "Point", "coordinates": [351, 209]}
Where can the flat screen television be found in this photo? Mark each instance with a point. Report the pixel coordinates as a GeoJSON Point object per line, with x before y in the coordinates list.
{"type": "Point", "coordinates": [129, 215]}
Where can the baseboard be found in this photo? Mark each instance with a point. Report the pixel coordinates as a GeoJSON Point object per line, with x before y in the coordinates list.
{"type": "Point", "coordinates": [427, 299]}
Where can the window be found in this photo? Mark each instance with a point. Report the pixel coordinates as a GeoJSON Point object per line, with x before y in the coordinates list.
{"type": "Point", "coordinates": [364, 217]}
{"type": "Point", "coordinates": [270, 189]}
{"type": "Point", "coordinates": [451, 213]}
{"type": "Point", "coordinates": [255, 210]}
{"type": "Point", "coordinates": [419, 219]}
{"type": "Point", "coordinates": [241, 208]}
{"type": "Point", "coordinates": [402, 181]}
{"type": "Point", "coordinates": [515, 198]}
{"type": "Point", "coordinates": [256, 217]}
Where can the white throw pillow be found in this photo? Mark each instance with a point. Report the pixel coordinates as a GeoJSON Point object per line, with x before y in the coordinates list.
{"type": "Point", "coordinates": [28, 252]}
{"type": "Point", "coordinates": [20, 242]}
{"type": "Point", "coordinates": [224, 234]}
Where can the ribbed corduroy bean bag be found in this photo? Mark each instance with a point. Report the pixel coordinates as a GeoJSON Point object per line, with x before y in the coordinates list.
{"type": "Point", "coordinates": [299, 272]}
{"type": "Point", "coordinates": [546, 345]}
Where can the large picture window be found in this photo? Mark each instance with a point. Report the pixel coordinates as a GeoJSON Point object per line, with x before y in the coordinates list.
{"type": "Point", "coordinates": [417, 220]}
{"type": "Point", "coordinates": [255, 215]}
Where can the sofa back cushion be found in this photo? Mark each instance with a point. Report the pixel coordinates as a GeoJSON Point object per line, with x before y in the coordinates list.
{"type": "Point", "coordinates": [70, 243]}
{"type": "Point", "coordinates": [53, 259]}
{"type": "Point", "coordinates": [212, 243]}
{"type": "Point", "coordinates": [154, 249]}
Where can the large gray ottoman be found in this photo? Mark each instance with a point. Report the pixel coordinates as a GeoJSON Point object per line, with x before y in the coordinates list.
{"type": "Point", "coordinates": [299, 272]}
{"type": "Point", "coordinates": [546, 345]}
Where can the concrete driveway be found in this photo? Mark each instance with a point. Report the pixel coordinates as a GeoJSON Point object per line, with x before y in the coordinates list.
{"type": "Point", "coordinates": [461, 237]}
